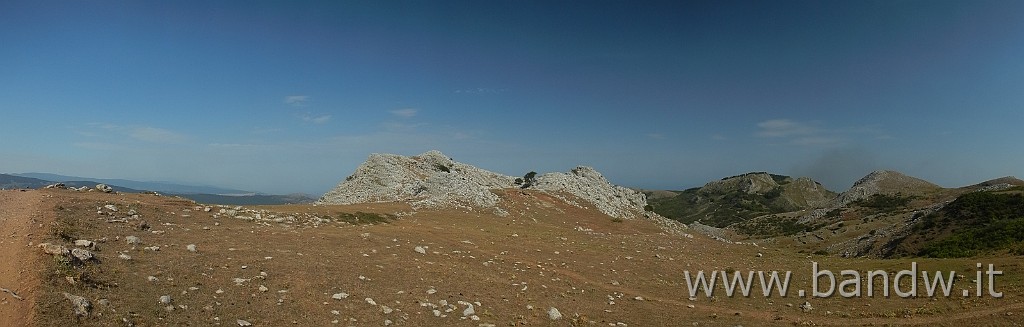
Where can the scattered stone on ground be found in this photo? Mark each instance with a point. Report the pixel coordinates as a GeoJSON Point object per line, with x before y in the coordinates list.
{"type": "Point", "coordinates": [80, 304]}
{"type": "Point", "coordinates": [82, 255]}
{"type": "Point", "coordinates": [553, 314]}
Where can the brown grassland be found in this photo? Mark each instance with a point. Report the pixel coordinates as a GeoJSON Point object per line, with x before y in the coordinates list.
{"type": "Point", "coordinates": [595, 270]}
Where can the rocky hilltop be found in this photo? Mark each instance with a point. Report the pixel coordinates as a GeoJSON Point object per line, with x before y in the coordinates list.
{"type": "Point", "coordinates": [885, 182]}
{"type": "Point", "coordinates": [737, 199]}
{"type": "Point", "coordinates": [434, 180]}
{"type": "Point", "coordinates": [588, 184]}
{"type": "Point", "coordinates": [801, 192]}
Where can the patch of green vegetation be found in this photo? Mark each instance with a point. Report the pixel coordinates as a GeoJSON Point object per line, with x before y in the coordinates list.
{"type": "Point", "coordinates": [529, 179]}
{"type": "Point", "coordinates": [362, 218]}
{"type": "Point", "coordinates": [884, 203]}
{"type": "Point", "coordinates": [779, 179]}
{"type": "Point", "coordinates": [443, 168]}
{"type": "Point", "coordinates": [978, 222]}
{"type": "Point", "coordinates": [718, 210]}
{"type": "Point", "coordinates": [774, 226]}
{"type": "Point", "coordinates": [834, 213]}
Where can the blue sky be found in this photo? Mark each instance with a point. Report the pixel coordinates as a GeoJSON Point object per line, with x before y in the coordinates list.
{"type": "Point", "coordinates": [290, 96]}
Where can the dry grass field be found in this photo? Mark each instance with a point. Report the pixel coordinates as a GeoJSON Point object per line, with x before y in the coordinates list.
{"type": "Point", "coordinates": [386, 264]}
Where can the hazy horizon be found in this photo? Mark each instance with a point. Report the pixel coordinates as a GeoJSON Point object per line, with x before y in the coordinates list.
{"type": "Point", "coordinates": [287, 97]}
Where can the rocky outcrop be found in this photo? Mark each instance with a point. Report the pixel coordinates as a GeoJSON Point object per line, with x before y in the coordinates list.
{"type": "Point", "coordinates": [997, 184]}
{"type": "Point", "coordinates": [433, 180]}
{"type": "Point", "coordinates": [886, 182]}
{"type": "Point", "coordinates": [588, 184]}
{"type": "Point", "coordinates": [427, 180]}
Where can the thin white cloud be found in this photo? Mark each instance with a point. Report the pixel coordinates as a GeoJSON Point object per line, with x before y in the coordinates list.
{"type": "Point", "coordinates": [784, 128]}
{"type": "Point", "coordinates": [296, 100]}
{"type": "Point", "coordinates": [480, 90]}
{"type": "Point", "coordinates": [317, 119]}
{"type": "Point", "coordinates": [405, 113]}
{"type": "Point", "coordinates": [816, 140]}
{"type": "Point", "coordinates": [401, 126]}
{"type": "Point", "coordinates": [142, 133]}
{"type": "Point", "coordinates": [809, 134]}
{"type": "Point", "coordinates": [156, 135]}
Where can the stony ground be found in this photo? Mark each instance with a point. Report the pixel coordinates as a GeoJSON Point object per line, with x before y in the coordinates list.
{"type": "Point", "coordinates": [162, 261]}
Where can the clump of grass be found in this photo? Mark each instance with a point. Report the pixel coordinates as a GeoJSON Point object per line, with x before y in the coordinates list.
{"type": "Point", "coordinates": [65, 227]}
{"type": "Point", "coordinates": [361, 218]}
{"type": "Point", "coordinates": [443, 168]}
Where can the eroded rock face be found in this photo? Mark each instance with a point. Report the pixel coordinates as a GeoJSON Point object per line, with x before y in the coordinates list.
{"type": "Point", "coordinates": [433, 180]}
{"type": "Point", "coordinates": [427, 180]}
{"type": "Point", "coordinates": [588, 184]}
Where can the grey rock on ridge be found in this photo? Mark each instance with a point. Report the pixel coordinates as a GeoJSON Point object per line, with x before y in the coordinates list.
{"type": "Point", "coordinates": [427, 180]}
{"type": "Point", "coordinates": [883, 182]}
{"type": "Point", "coordinates": [588, 184]}
{"type": "Point", "coordinates": [433, 180]}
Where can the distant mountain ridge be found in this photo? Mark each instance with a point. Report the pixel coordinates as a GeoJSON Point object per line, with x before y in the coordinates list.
{"type": "Point", "coordinates": [162, 187]}
{"type": "Point", "coordinates": [8, 181]}
{"type": "Point", "coordinates": [736, 199]}
{"type": "Point", "coordinates": [885, 213]}
{"type": "Point", "coordinates": [228, 197]}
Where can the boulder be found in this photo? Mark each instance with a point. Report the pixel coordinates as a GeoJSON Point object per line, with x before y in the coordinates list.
{"type": "Point", "coordinates": [133, 240]}
{"type": "Point", "coordinates": [54, 249]}
{"type": "Point", "coordinates": [553, 314]}
{"type": "Point", "coordinates": [82, 255]}
{"type": "Point", "coordinates": [104, 188]}
{"type": "Point", "coordinates": [85, 244]}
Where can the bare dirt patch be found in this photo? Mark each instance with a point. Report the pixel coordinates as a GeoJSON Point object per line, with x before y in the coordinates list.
{"type": "Point", "coordinates": [23, 217]}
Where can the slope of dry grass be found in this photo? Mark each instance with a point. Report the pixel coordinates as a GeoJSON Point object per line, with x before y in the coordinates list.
{"type": "Point", "coordinates": [511, 270]}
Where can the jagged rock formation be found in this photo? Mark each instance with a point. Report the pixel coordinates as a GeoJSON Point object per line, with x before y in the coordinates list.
{"type": "Point", "coordinates": [433, 180]}
{"type": "Point", "coordinates": [588, 184]}
{"type": "Point", "coordinates": [886, 182]}
{"type": "Point", "coordinates": [427, 180]}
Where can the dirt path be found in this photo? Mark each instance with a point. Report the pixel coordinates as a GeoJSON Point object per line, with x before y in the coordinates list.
{"type": "Point", "coordinates": [20, 220]}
